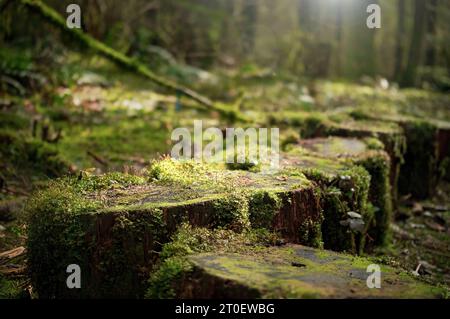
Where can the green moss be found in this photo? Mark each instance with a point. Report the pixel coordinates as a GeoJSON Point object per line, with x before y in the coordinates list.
{"type": "Point", "coordinates": [263, 206]}
{"type": "Point", "coordinates": [183, 173]}
{"type": "Point", "coordinates": [25, 153]}
{"type": "Point", "coordinates": [311, 232]}
{"type": "Point", "coordinates": [102, 182]}
{"type": "Point", "coordinates": [373, 143]}
{"type": "Point", "coordinates": [298, 272]}
{"type": "Point", "coordinates": [346, 192]}
{"type": "Point", "coordinates": [378, 166]}
{"type": "Point", "coordinates": [13, 121]}
{"type": "Point", "coordinates": [232, 212]}
{"type": "Point", "coordinates": [116, 136]}
{"type": "Point", "coordinates": [53, 215]}
{"type": "Point", "coordinates": [246, 166]}
{"type": "Point", "coordinates": [11, 288]}
{"type": "Point", "coordinates": [64, 230]}
{"type": "Point", "coordinates": [163, 281]}
{"type": "Point", "coordinates": [310, 123]}
{"type": "Point", "coordinates": [173, 265]}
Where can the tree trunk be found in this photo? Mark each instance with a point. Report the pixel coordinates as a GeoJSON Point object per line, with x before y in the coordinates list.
{"type": "Point", "coordinates": [430, 53]}
{"type": "Point", "coordinates": [305, 16]}
{"type": "Point", "coordinates": [399, 50]}
{"type": "Point", "coordinates": [416, 48]}
{"type": "Point", "coordinates": [338, 47]}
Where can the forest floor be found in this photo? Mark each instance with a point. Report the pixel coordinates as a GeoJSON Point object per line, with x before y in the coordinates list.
{"type": "Point", "coordinates": [112, 121]}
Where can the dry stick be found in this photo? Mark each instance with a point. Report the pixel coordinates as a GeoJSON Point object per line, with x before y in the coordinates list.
{"type": "Point", "coordinates": [53, 17]}
{"type": "Point", "coordinates": [97, 158]}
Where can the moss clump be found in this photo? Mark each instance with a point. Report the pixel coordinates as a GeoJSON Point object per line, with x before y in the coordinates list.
{"type": "Point", "coordinates": [107, 181]}
{"type": "Point", "coordinates": [173, 266]}
{"type": "Point", "coordinates": [186, 173]}
{"type": "Point", "coordinates": [376, 162]}
{"type": "Point", "coordinates": [262, 207]}
{"type": "Point", "coordinates": [248, 165]}
{"type": "Point", "coordinates": [378, 166]}
{"type": "Point", "coordinates": [162, 282]}
{"type": "Point", "coordinates": [311, 124]}
{"type": "Point", "coordinates": [232, 212]}
{"type": "Point", "coordinates": [373, 143]}
{"type": "Point", "coordinates": [64, 229]}
{"type": "Point", "coordinates": [346, 192]}
{"type": "Point", "coordinates": [54, 216]}
{"type": "Point", "coordinates": [311, 232]}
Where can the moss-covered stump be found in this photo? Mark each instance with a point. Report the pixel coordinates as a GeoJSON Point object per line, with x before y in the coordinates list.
{"type": "Point", "coordinates": [114, 225]}
{"type": "Point", "coordinates": [367, 153]}
{"type": "Point", "coordinates": [342, 124]}
{"type": "Point", "coordinates": [390, 134]}
{"type": "Point", "coordinates": [292, 271]}
{"type": "Point", "coordinates": [344, 198]}
{"type": "Point", "coordinates": [426, 158]}
{"type": "Point", "coordinates": [427, 150]}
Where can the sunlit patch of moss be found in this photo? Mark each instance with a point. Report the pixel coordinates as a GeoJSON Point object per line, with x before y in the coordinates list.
{"type": "Point", "coordinates": [373, 143]}
{"type": "Point", "coordinates": [298, 272]}
{"type": "Point", "coordinates": [114, 136]}
{"type": "Point", "coordinates": [106, 181]}
{"type": "Point", "coordinates": [182, 172]}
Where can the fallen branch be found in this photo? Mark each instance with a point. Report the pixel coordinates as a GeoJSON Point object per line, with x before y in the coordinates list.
{"type": "Point", "coordinates": [6, 256]}
{"type": "Point", "coordinates": [53, 17]}
{"type": "Point", "coordinates": [97, 158]}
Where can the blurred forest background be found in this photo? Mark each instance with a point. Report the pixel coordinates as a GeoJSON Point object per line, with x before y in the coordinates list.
{"type": "Point", "coordinates": [74, 106]}
{"type": "Point", "coordinates": [308, 38]}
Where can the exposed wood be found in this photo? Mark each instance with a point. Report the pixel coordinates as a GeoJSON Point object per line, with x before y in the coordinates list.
{"type": "Point", "coordinates": [10, 254]}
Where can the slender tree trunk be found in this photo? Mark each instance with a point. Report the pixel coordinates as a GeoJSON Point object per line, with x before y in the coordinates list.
{"type": "Point", "coordinates": [249, 16]}
{"type": "Point", "coordinates": [400, 41]}
{"type": "Point", "coordinates": [417, 42]}
{"type": "Point", "coordinates": [430, 53]}
{"type": "Point", "coordinates": [359, 53]}
{"type": "Point", "coordinates": [338, 40]}
{"type": "Point", "coordinates": [305, 15]}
